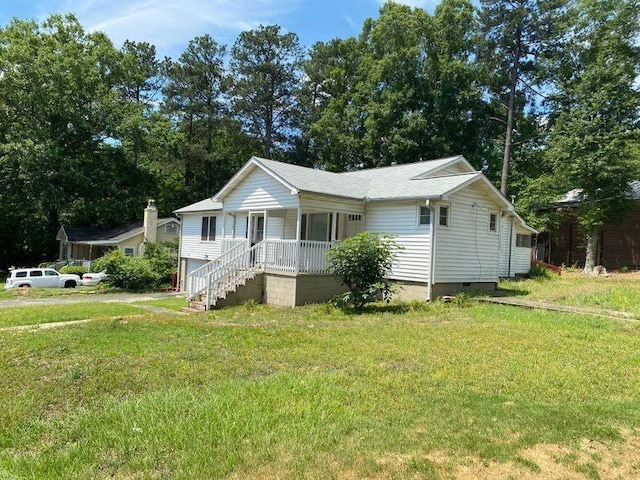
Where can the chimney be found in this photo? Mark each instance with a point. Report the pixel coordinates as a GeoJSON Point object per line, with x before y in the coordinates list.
{"type": "Point", "coordinates": [150, 223]}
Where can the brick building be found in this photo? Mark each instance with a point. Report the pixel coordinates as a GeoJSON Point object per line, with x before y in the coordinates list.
{"type": "Point", "coordinates": [618, 243]}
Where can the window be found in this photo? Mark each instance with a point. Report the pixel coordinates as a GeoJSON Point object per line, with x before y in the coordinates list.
{"type": "Point", "coordinates": [424, 216]}
{"type": "Point", "coordinates": [353, 217]}
{"type": "Point", "coordinates": [51, 273]}
{"type": "Point", "coordinates": [493, 222]}
{"type": "Point", "coordinates": [128, 251]}
{"type": "Point", "coordinates": [523, 240]}
{"type": "Point", "coordinates": [444, 216]}
{"type": "Point", "coordinates": [35, 273]}
{"type": "Point", "coordinates": [171, 228]}
{"type": "Point", "coordinates": [21, 274]}
{"type": "Point", "coordinates": [208, 233]}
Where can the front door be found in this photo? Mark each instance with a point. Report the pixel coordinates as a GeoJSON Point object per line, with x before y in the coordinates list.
{"type": "Point", "coordinates": [257, 228]}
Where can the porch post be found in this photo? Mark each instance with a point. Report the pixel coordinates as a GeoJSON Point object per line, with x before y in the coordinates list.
{"type": "Point", "coordinates": [264, 238]}
{"type": "Point", "coordinates": [249, 229]}
{"type": "Point", "coordinates": [224, 225]}
{"type": "Point", "coordinates": [298, 233]}
{"type": "Point", "coordinates": [334, 226]}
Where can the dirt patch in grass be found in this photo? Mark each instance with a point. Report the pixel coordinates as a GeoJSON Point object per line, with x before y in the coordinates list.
{"type": "Point", "coordinates": [590, 460]}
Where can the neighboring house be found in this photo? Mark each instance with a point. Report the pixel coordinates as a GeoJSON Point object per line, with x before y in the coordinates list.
{"type": "Point", "coordinates": [618, 243]}
{"type": "Point", "coordinates": [271, 225]}
{"type": "Point", "coordinates": [86, 243]}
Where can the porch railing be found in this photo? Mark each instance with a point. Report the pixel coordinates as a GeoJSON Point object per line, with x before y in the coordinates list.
{"type": "Point", "coordinates": [241, 262]}
{"type": "Point", "coordinates": [291, 256]}
{"type": "Point", "coordinates": [197, 280]}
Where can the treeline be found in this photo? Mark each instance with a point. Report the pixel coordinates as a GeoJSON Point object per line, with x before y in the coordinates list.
{"type": "Point", "coordinates": [540, 94]}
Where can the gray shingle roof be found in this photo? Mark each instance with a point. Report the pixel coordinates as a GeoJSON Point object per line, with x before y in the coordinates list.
{"type": "Point", "coordinates": [80, 234]}
{"type": "Point", "coordinates": [395, 181]}
{"type": "Point", "coordinates": [205, 205]}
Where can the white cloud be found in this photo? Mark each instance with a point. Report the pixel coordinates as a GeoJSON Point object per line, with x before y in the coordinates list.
{"type": "Point", "coordinates": [169, 25]}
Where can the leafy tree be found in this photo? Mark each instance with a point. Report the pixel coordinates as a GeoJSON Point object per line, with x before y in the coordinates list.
{"type": "Point", "coordinates": [406, 89]}
{"type": "Point", "coordinates": [141, 88]}
{"type": "Point", "coordinates": [363, 264]}
{"type": "Point", "coordinates": [265, 79]}
{"type": "Point", "coordinates": [334, 133]}
{"type": "Point", "coordinates": [593, 133]}
{"type": "Point", "coordinates": [59, 130]}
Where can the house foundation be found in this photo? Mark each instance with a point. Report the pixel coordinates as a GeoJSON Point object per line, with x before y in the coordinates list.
{"type": "Point", "coordinates": [443, 289]}
{"type": "Point", "coordinates": [290, 291]}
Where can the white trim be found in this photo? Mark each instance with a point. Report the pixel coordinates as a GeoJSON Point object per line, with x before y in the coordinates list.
{"type": "Point", "coordinates": [419, 215]}
{"type": "Point", "coordinates": [496, 228]}
{"type": "Point", "coordinates": [442, 205]}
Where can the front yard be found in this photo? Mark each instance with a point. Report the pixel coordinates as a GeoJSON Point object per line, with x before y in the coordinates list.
{"type": "Point", "coordinates": [406, 391]}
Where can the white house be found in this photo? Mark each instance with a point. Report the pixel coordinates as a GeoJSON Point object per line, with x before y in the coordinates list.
{"type": "Point", "coordinates": [269, 228]}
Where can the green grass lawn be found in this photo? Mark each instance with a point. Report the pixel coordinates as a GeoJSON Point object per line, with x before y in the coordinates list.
{"type": "Point", "coordinates": [39, 314]}
{"type": "Point", "coordinates": [410, 391]}
{"type": "Point", "coordinates": [174, 303]}
{"type": "Point", "coordinates": [615, 292]}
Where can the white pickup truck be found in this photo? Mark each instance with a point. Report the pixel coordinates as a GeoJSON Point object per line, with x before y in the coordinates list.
{"type": "Point", "coordinates": [40, 277]}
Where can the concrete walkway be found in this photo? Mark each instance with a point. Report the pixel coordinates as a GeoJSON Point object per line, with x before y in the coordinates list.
{"type": "Point", "coordinates": [556, 307]}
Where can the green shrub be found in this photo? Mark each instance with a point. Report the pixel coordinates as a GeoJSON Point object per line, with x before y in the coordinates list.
{"type": "Point", "coordinates": [77, 270]}
{"type": "Point", "coordinates": [163, 258]}
{"type": "Point", "coordinates": [137, 274]}
{"type": "Point", "coordinates": [539, 272]}
{"type": "Point", "coordinates": [363, 263]}
{"type": "Point", "coordinates": [148, 272]}
{"type": "Point", "coordinates": [110, 262]}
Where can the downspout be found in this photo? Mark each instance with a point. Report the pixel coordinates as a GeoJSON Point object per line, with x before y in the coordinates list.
{"type": "Point", "coordinates": [510, 248]}
{"type": "Point", "coordinates": [432, 260]}
{"type": "Point", "coordinates": [179, 270]}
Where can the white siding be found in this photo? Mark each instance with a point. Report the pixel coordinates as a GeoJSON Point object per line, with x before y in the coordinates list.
{"type": "Point", "coordinates": [320, 203]}
{"type": "Point", "coordinates": [400, 219]}
{"type": "Point", "coordinates": [191, 245]}
{"type": "Point", "coordinates": [451, 170]}
{"type": "Point", "coordinates": [523, 254]}
{"type": "Point", "coordinates": [465, 250]}
{"type": "Point", "coordinates": [505, 229]}
{"type": "Point", "coordinates": [290, 224]}
{"type": "Point", "coordinates": [259, 191]}
{"type": "Point", "coordinates": [520, 256]}
{"type": "Point", "coordinates": [275, 225]}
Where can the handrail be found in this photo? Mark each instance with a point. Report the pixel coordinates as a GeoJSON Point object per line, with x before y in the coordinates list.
{"type": "Point", "coordinates": [234, 271]}
{"type": "Point", "coordinates": [196, 280]}
{"type": "Point", "coordinates": [239, 264]}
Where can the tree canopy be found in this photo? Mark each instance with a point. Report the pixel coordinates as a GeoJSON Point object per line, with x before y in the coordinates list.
{"type": "Point", "coordinates": [541, 95]}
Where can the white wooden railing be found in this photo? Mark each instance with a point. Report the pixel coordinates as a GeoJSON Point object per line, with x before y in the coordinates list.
{"type": "Point", "coordinates": [197, 280]}
{"type": "Point", "coordinates": [236, 269]}
{"type": "Point", "coordinates": [304, 256]}
{"type": "Point", "coordinates": [241, 262]}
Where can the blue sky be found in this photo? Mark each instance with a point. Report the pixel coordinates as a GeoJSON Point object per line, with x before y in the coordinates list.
{"type": "Point", "coordinates": [170, 24]}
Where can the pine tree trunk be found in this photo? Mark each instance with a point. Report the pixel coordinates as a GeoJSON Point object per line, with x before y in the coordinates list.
{"type": "Point", "coordinates": [590, 261]}
{"type": "Point", "coordinates": [511, 114]}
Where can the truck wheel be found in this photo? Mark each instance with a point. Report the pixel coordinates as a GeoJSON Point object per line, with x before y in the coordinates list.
{"type": "Point", "coordinates": [24, 285]}
{"type": "Point", "coordinates": [70, 284]}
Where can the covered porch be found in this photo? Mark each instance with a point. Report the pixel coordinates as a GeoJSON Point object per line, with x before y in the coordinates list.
{"type": "Point", "coordinates": [283, 243]}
